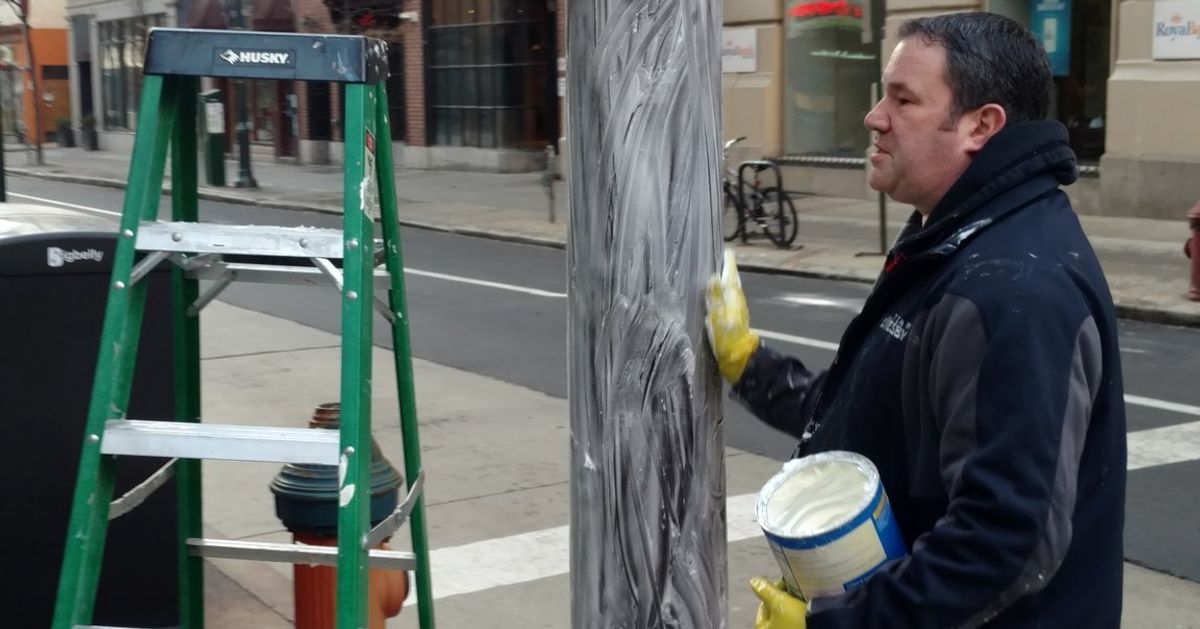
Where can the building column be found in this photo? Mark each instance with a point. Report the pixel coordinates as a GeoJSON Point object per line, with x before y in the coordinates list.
{"type": "Point", "coordinates": [1151, 168]}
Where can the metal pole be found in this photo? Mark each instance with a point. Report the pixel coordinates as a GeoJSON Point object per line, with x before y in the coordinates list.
{"type": "Point", "coordinates": [647, 452]}
{"type": "Point", "coordinates": [245, 176]}
{"type": "Point", "coordinates": [3, 175]}
{"type": "Point", "coordinates": [31, 67]}
{"type": "Point", "coordinates": [548, 180]}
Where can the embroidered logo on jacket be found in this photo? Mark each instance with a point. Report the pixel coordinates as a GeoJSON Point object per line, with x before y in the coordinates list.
{"type": "Point", "coordinates": [895, 326]}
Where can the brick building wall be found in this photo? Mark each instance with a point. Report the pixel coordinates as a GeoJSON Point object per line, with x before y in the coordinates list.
{"type": "Point", "coordinates": [414, 75]}
{"type": "Point", "coordinates": [312, 16]}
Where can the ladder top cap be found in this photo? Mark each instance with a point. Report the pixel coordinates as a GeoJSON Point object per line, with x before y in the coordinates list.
{"type": "Point", "coordinates": [262, 55]}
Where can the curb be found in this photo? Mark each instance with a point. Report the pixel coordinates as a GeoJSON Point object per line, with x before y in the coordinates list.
{"type": "Point", "coordinates": [1148, 314]}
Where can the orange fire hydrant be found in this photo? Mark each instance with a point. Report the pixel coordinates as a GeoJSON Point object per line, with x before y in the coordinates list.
{"type": "Point", "coordinates": [306, 500]}
{"type": "Point", "coordinates": [314, 588]}
{"type": "Point", "coordinates": [1192, 249]}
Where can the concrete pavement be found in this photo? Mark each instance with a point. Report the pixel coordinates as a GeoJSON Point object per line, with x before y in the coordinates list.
{"type": "Point", "coordinates": [1143, 258]}
{"type": "Point", "coordinates": [496, 459]}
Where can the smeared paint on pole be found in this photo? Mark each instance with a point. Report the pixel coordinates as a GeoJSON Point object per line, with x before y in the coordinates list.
{"type": "Point", "coordinates": [647, 468]}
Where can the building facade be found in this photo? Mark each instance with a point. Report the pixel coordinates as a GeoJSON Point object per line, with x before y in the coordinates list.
{"type": "Point", "coordinates": [474, 83]}
{"type": "Point", "coordinates": [107, 47]}
{"type": "Point", "coordinates": [473, 86]}
{"type": "Point", "coordinates": [48, 39]}
{"type": "Point", "coordinates": [478, 84]}
{"type": "Point", "coordinates": [806, 83]}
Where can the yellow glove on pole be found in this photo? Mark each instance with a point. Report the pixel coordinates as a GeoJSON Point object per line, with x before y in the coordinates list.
{"type": "Point", "coordinates": [728, 321]}
{"type": "Point", "coordinates": [778, 610]}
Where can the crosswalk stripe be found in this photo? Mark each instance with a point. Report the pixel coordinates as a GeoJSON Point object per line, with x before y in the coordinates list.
{"type": "Point", "coordinates": [525, 557]}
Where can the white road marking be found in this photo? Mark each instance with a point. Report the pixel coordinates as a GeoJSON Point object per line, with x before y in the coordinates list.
{"type": "Point", "coordinates": [516, 559]}
{"type": "Point", "coordinates": [1163, 446]}
{"type": "Point", "coordinates": [1135, 400]}
{"type": "Point", "coordinates": [466, 280]}
{"type": "Point", "coordinates": [797, 340]}
{"type": "Point", "coordinates": [1162, 405]}
{"type": "Point", "coordinates": [430, 274]}
{"type": "Point", "coordinates": [527, 557]}
{"type": "Point", "coordinates": [823, 302]}
{"type": "Point", "coordinates": [65, 204]}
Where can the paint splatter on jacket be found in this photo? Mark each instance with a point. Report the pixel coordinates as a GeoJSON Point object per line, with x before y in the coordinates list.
{"type": "Point", "coordinates": [983, 379]}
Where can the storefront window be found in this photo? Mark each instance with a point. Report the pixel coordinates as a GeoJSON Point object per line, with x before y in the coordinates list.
{"type": "Point", "coordinates": [122, 51]}
{"type": "Point", "coordinates": [11, 102]}
{"type": "Point", "coordinates": [492, 73]}
{"type": "Point", "coordinates": [264, 104]}
{"type": "Point", "coordinates": [1079, 59]}
{"type": "Point", "coordinates": [829, 77]}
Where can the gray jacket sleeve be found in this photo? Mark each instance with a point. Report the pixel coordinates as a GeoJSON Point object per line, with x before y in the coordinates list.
{"type": "Point", "coordinates": [1010, 380]}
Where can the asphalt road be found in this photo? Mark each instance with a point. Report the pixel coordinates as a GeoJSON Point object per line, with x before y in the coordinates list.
{"type": "Point", "coordinates": [514, 329]}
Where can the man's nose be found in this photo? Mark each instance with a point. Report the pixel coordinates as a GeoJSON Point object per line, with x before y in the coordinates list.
{"type": "Point", "coordinates": [876, 120]}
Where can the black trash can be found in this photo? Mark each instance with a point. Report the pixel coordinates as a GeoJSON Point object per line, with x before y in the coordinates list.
{"type": "Point", "coordinates": [54, 274]}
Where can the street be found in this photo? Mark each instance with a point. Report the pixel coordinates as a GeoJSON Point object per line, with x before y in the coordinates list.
{"type": "Point", "coordinates": [498, 309]}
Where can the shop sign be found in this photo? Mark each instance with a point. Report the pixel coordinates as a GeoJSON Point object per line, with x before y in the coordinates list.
{"type": "Point", "coordinates": [825, 8]}
{"type": "Point", "coordinates": [1176, 29]}
{"type": "Point", "coordinates": [739, 50]}
{"type": "Point", "coordinates": [1050, 22]}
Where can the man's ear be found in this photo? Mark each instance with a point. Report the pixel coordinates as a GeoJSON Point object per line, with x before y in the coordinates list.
{"type": "Point", "coordinates": [985, 122]}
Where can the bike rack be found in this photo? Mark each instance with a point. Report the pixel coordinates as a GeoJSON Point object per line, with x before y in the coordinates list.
{"type": "Point", "coordinates": [759, 165]}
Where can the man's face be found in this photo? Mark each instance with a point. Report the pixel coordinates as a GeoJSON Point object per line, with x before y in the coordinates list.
{"type": "Point", "coordinates": [920, 150]}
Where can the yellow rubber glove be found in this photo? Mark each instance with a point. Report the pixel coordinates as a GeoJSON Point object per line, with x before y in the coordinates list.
{"type": "Point", "coordinates": [778, 610]}
{"type": "Point", "coordinates": [728, 321]}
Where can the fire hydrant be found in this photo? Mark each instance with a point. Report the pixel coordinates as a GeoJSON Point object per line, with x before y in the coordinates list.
{"type": "Point", "coordinates": [1192, 249]}
{"type": "Point", "coordinates": [306, 500]}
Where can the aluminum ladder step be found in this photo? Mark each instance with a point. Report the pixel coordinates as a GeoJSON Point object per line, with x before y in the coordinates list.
{"type": "Point", "coordinates": [216, 270]}
{"type": "Point", "coordinates": [188, 440]}
{"type": "Point", "coordinates": [294, 553]}
{"type": "Point", "coordinates": [260, 240]}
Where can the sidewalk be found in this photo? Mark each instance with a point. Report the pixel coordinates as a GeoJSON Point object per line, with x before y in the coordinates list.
{"type": "Point", "coordinates": [1143, 258]}
{"type": "Point", "coordinates": [497, 489]}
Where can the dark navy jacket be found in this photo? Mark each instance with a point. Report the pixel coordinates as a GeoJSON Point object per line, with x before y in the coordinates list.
{"type": "Point", "coordinates": [982, 377]}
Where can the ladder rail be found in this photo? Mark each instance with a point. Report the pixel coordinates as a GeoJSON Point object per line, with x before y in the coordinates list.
{"type": "Point", "coordinates": [402, 358]}
{"type": "Point", "coordinates": [88, 522]}
{"type": "Point", "coordinates": [185, 345]}
{"type": "Point", "coordinates": [357, 297]}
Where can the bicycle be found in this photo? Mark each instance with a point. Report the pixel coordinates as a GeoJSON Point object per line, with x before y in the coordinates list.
{"type": "Point", "coordinates": [746, 206]}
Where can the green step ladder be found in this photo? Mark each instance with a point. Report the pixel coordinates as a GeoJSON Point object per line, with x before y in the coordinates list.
{"type": "Point", "coordinates": [175, 59]}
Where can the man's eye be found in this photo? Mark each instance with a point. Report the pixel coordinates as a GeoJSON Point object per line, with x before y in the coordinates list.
{"type": "Point", "coordinates": [904, 101]}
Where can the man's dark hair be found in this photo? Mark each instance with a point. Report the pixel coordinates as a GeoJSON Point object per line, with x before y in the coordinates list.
{"type": "Point", "coordinates": [989, 59]}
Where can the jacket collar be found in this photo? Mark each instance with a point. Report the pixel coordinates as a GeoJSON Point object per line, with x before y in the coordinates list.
{"type": "Point", "coordinates": [1023, 161]}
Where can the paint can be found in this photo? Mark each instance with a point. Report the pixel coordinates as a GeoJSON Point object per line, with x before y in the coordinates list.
{"type": "Point", "coordinates": [827, 519]}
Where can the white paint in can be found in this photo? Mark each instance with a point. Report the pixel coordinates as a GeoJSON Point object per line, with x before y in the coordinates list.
{"type": "Point", "coordinates": [827, 519]}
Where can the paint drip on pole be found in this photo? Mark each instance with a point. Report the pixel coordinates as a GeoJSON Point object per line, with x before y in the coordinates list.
{"type": "Point", "coordinates": [647, 468]}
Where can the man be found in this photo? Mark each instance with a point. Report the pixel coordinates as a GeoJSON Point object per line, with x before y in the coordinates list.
{"type": "Point", "coordinates": [982, 376]}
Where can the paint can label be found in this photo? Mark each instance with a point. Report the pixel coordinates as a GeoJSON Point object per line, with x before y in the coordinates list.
{"type": "Point", "coordinates": [842, 559]}
{"type": "Point", "coordinates": [827, 520]}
